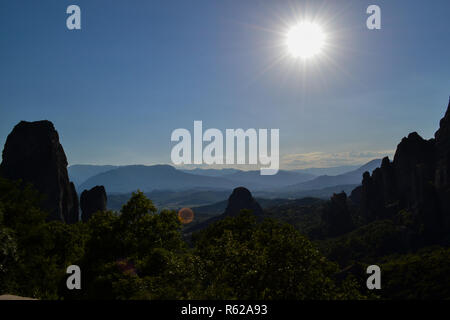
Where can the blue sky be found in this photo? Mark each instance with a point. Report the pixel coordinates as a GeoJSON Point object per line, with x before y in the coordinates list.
{"type": "Point", "coordinates": [137, 70]}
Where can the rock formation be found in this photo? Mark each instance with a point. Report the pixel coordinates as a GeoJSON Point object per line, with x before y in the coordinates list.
{"type": "Point", "coordinates": [336, 217]}
{"type": "Point", "coordinates": [240, 199]}
{"type": "Point", "coordinates": [92, 201]}
{"type": "Point", "coordinates": [442, 174]}
{"type": "Point", "coordinates": [33, 153]}
{"type": "Point", "coordinates": [416, 181]}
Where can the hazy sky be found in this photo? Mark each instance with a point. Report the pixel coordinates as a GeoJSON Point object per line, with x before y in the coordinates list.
{"type": "Point", "coordinates": [137, 70]}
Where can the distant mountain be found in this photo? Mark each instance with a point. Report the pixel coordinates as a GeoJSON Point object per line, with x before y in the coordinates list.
{"type": "Point", "coordinates": [255, 181]}
{"type": "Point", "coordinates": [324, 193]}
{"type": "Point", "coordinates": [350, 178]}
{"type": "Point", "coordinates": [211, 172]}
{"type": "Point", "coordinates": [332, 171]}
{"type": "Point", "coordinates": [126, 179]}
{"type": "Point", "coordinates": [148, 178]}
{"type": "Point", "coordinates": [171, 187]}
{"type": "Point", "coordinates": [79, 173]}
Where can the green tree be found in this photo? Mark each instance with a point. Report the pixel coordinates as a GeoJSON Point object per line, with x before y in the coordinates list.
{"type": "Point", "coordinates": [243, 259]}
{"type": "Point", "coordinates": [136, 254]}
{"type": "Point", "coordinates": [36, 269]}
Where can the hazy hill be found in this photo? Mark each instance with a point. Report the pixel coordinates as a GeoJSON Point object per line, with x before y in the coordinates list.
{"type": "Point", "coordinates": [350, 178]}
{"type": "Point", "coordinates": [250, 179]}
{"type": "Point", "coordinates": [171, 187]}
{"type": "Point", "coordinates": [79, 173]}
{"type": "Point", "coordinates": [211, 172]}
{"type": "Point", "coordinates": [126, 179]}
{"type": "Point", "coordinates": [148, 178]}
{"type": "Point", "coordinates": [255, 181]}
{"type": "Point", "coordinates": [323, 193]}
{"type": "Point", "coordinates": [332, 171]}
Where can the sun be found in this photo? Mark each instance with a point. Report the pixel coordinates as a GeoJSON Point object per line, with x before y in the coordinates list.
{"type": "Point", "coordinates": [305, 40]}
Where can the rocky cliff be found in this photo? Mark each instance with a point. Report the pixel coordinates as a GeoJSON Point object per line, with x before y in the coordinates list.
{"type": "Point", "coordinates": [416, 182]}
{"type": "Point", "coordinates": [240, 199]}
{"type": "Point", "coordinates": [336, 216]}
{"type": "Point", "coordinates": [33, 153]}
{"type": "Point", "coordinates": [92, 201]}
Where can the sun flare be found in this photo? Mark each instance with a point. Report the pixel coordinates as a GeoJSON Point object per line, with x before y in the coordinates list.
{"type": "Point", "coordinates": [305, 40]}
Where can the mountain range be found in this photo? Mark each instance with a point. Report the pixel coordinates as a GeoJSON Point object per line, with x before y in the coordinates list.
{"type": "Point", "coordinates": [79, 173]}
{"type": "Point", "coordinates": [353, 177]}
{"type": "Point", "coordinates": [126, 179]}
{"type": "Point", "coordinates": [173, 188]}
{"type": "Point", "coordinates": [331, 171]}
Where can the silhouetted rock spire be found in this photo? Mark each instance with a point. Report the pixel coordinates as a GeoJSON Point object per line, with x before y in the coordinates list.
{"type": "Point", "coordinates": [92, 201]}
{"type": "Point", "coordinates": [33, 153]}
{"type": "Point", "coordinates": [442, 174]}
{"type": "Point", "coordinates": [240, 199]}
{"type": "Point", "coordinates": [336, 217]}
{"type": "Point", "coordinates": [417, 181]}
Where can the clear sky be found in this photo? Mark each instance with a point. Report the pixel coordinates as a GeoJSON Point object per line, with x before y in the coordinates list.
{"type": "Point", "coordinates": [137, 70]}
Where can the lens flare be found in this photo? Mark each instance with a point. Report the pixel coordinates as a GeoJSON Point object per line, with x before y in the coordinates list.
{"type": "Point", "coordinates": [186, 215]}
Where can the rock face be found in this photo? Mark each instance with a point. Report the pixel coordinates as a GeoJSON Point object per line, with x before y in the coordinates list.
{"type": "Point", "coordinates": [442, 174]}
{"type": "Point", "coordinates": [92, 201]}
{"type": "Point", "coordinates": [336, 217]}
{"type": "Point", "coordinates": [33, 153]}
{"type": "Point", "coordinates": [416, 181]}
{"type": "Point", "coordinates": [240, 199]}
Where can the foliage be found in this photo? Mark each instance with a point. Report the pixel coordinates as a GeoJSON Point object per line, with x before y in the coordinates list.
{"type": "Point", "coordinates": [8, 248]}
{"type": "Point", "coordinates": [244, 259]}
{"type": "Point", "coordinates": [140, 253]}
{"type": "Point", "coordinates": [304, 217]}
{"type": "Point", "coordinates": [132, 251]}
{"type": "Point", "coordinates": [36, 251]}
{"type": "Point", "coordinates": [422, 275]}
{"type": "Point", "coordinates": [367, 243]}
